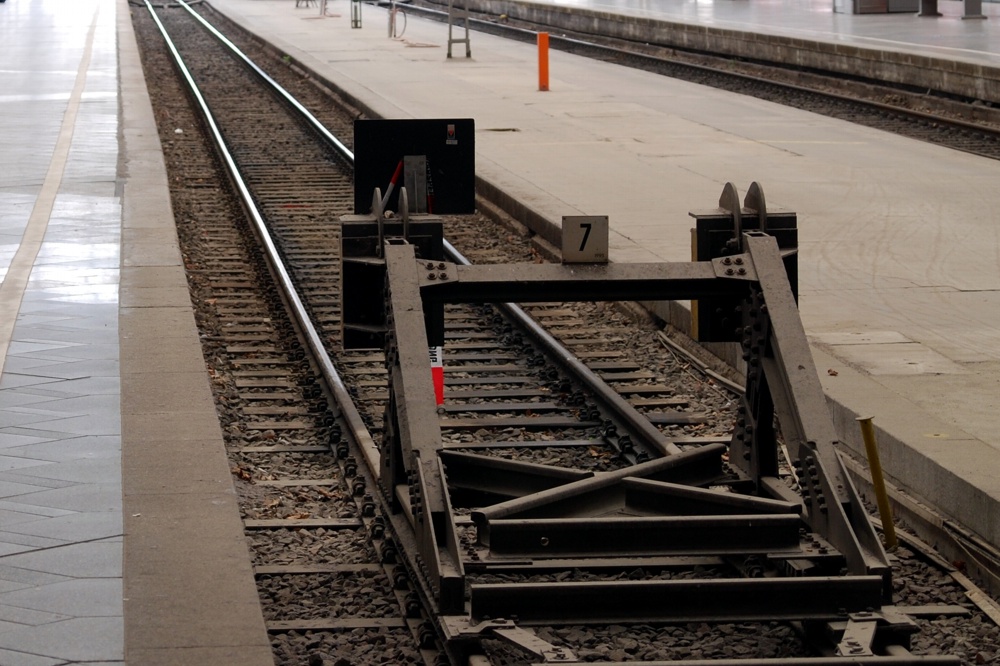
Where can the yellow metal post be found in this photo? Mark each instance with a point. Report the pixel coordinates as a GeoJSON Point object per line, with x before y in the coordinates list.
{"type": "Point", "coordinates": [878, 481]}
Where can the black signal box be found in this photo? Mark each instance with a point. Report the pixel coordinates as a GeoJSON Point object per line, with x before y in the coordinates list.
{"type": "Point", "coordinates": [449, 146]}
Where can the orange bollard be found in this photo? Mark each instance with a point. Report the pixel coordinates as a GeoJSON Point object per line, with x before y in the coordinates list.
{"type": "Point", "coordinates": [543, 61]}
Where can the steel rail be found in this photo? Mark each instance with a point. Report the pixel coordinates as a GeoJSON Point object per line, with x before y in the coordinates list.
{"type": "Point", "coordinates": [284, 94]}
{"type": "Point", "coordinates": [314, 342]}
{"type": "Point", "coordinates": [607, 397]}
{"type": "Point", "coordinates": [327, 370]}
{"type": "Point", "coordinates": [604, 394]}
{"type": "Point", "coordinates": [610, 399]}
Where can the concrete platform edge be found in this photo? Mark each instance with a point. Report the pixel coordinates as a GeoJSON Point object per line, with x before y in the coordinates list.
{"type": "Point", "coordinates": [967, 79]}
{"type": "Point", "coordinates": [189, 589]}
{"type": "Point", "coordinates": [918, 451]}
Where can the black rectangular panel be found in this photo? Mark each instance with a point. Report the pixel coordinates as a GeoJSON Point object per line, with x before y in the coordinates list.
{"type": "Point", "coordinates": [718, 319]}
{"type": "Point", "coordinates": [450, 148]}
{"type": "Point", "coordinates": [363, 274]}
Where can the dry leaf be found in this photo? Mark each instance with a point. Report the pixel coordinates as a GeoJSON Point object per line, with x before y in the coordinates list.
{"type": "Point", "coordinates": [241, 473]}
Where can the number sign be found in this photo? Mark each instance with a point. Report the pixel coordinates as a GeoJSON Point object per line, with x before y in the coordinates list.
{"type": "Point", "coordinates": [585, 239]}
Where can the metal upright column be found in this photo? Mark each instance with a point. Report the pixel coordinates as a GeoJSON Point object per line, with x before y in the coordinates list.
{"type": "Point", "coordinates": [929, 8]}
{"type": "Point", "coordinates": [355, 13]}
{"type": "Point", "coordinates": [973, 9]}
{"type": "Point", "coordinates": [463, 16]}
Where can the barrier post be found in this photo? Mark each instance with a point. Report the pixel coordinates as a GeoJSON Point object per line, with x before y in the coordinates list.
{"type": "Point", "coordinates": [973, 9]}
{"type": "Point", "coordinates": [878, 481]}
{"type": "Point", "coordinates": [543, 61]}
{"type": "Point", "coordinates": [355, 13]}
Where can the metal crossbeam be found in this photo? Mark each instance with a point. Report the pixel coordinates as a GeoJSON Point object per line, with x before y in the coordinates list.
{"type": "Point", "coordinates": [727, 600]}
{"type": "Point", "coordinates": [535, 283]}
{"type": "Point", "coordinates": [782, 366]}
{"type": "Point", "coordinates": [645, 536]}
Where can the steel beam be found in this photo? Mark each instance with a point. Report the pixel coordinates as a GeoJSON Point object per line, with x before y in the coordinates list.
{"type": "Point", "coordinates": [785, 365]}
{"type": "Point", "coordinates": [674, 499]}
{"type": "Point", "coordinates": [605, 491]}
{"type": "Point", "coordinates": [659, 601]}
{"type": "Point", "coordinates": [413, 436]}
{"type": "Point", "coordinates": [480, 477]}
{"type": "Point", "coordinates": [645, 536]}
{"type": "Point", "coordinates": [528, 283]}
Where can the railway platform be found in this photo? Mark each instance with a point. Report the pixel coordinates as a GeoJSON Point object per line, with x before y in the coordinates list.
{"type": "Point", "coordinates": [120, 538]}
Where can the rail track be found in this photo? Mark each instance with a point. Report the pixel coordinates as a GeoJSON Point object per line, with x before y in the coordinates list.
{"type": "Point", "coordinates": [376, 540]}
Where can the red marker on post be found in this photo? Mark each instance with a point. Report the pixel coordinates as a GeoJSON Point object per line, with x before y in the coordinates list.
{"type": "Point", "coordinates": [392, 184]}
{"type": "Point", "coordinates": [437, 373]}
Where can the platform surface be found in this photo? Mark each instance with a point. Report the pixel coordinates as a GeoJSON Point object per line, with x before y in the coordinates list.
{"type": "Point", "coordinates": [60, 426]}
{"type": "Point", "coordinates": [947, 36]}
{"type": "Point", "coordinates": [900, 250]}
{"type": "Point", "coordinates": [112, 547]}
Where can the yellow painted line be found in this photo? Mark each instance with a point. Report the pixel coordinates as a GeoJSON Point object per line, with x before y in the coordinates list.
{"type": "Point", "coordinates": [16, 280]}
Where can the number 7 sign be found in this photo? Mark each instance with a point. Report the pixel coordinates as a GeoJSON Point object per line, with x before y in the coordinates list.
{"type": "Point", "coordinates": [585, 239]}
